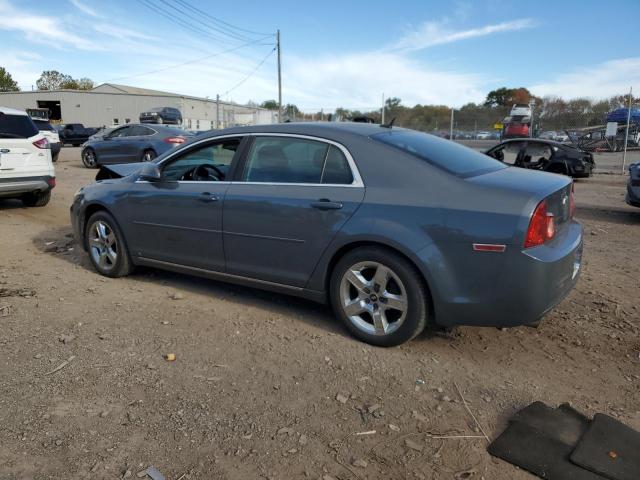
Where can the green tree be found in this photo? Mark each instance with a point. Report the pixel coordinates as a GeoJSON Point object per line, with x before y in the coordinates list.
{"type": "Point", "coordinates": [85, 83]}
{"type": "Point", "coordinates": [54, 80]}
{"type": "Point", "coordinates": [270, 105]}
{"type": "Point", "coordinates": [7, 83]}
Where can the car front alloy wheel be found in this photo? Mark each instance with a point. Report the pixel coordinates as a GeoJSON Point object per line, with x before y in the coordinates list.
{"type": "Point", "coordinates": [106, 246]}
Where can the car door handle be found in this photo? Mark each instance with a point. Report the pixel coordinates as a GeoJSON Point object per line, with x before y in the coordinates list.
{"type": "Point", "coordinates": [209, 197]}
{"type": "Point", "coordinates": [326, 204]}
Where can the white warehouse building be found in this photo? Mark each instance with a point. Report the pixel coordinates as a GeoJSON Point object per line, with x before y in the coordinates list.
{"type": "Point", "coordinates": [110, 104]}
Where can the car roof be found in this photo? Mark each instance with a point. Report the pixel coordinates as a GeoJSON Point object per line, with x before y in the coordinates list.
{"type": "Point", "coordinates": [12, 111]}
{"type": "Point", "coordinates": [320, 129]}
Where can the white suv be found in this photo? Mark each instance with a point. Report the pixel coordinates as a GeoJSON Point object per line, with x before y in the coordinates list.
{"type": "Point", "coordinates": [26, 169]}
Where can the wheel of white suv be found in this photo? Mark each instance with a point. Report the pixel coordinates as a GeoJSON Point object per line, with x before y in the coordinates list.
{"type": "Point", "coordinates": [379, 296]}
{"type": "Point", "coordinates": [39, 199]}
{"type": "Point", "coordinates": [89, 158]}
{"type": "Point", "coordinates": [106, 246]}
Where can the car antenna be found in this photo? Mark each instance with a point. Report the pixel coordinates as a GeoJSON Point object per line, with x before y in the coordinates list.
{"type": "Point", "coordinates": [388, 125]}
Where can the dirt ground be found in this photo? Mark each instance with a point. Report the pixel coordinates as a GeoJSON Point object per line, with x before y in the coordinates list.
{"type": "Point", "coordinates": [268, 386]}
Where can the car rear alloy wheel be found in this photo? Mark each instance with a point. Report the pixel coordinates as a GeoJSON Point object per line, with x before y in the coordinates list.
{"type": "Point", "coordinates": [89, 158]}
{"type": "Point", "coordinates": [379, 295]}
{"type": "Point", "coordinates": [106, 246]}
{"type": "Point", "coordinates": [373, 298]}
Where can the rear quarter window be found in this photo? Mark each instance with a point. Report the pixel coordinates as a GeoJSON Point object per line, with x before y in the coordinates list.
{"type": "Point", "coordinates": [16, 126]}
{"type": "Point", "coordinates": [450, 156]}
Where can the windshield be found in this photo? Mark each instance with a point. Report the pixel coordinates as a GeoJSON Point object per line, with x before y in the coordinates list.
{"type": "Point", "coordinates": [448, 155]}
{"type": "Point", "coordinates": [43, 125]}
{"type": "Point", "coordinates": [16, 126]}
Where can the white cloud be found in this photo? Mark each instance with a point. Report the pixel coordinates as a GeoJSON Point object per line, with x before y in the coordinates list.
{"type": "Point", "coordinates": [41, 29]}
{"type": "Point", "coordinates": [438, 33]}
{"type": "Point", "coordinates": [599, 81]}
{"type": "Point", "coordinates": [84, 8]}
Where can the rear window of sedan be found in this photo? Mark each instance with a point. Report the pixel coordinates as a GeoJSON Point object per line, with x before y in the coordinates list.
{"type": "Point", "coordinates": [450, 156]}
{"type": "Point", "coordinates": [16, 126]}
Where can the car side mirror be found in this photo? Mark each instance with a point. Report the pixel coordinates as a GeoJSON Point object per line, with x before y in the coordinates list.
{"type": "Point", "coordinates": [150, 173]}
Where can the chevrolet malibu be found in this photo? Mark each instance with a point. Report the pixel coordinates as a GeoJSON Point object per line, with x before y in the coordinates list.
{"type": "Point", "coordinates": [396, 229]}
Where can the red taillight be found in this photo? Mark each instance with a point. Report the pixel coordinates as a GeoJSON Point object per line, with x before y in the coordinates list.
{"type": "Point", "coordinates": [42, 143]}
{"type": "Point", "coordinates": [572, 201]}
{"type": "Point", "coordinates": [542, 226]}
{"type": "Point", "coordinates": [52, 182]}
{"type": "Point", "coordinates": [175, 140]}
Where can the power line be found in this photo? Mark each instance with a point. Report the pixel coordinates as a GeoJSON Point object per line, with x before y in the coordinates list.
{"type": "Point", "coordinates": [169, 16]}
{"type": "Point", "coordinates": [206, 25]}
{"type": "Point", "coordinates": [188, 62]}
{"type": "Point", "coordinates": [217, 20]}
{"type": "Point", "coordinates": [250, 73]}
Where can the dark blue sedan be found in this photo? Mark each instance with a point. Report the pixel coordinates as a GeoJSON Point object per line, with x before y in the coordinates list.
{"type": "Point", "coordinates": [395, 228]}
{"type": "Point", "coordinates": [132, 143]}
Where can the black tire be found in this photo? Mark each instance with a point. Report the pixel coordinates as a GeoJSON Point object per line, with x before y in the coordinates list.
{"type": "Point", "coordinates": [39, 199]}
{"type": "Point", "coordinates": [148, 155]}
{"type": "Point", "coordinates": [406, 326]}
{"type": "Point", "coordinates": [54, 158]}
{"type": "Point", "coordinates": [97, 249]}
{"type": "Point", "coordinates": [89, 158]}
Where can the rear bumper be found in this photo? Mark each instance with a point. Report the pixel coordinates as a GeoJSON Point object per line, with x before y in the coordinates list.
{"type": "Point", "coordinates": [531, 282]}
{"type": "Point", "coordinates": [11, 187]}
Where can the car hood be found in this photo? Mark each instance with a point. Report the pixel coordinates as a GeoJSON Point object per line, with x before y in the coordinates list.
{"type": "Point", "coordinates": [119, 170]}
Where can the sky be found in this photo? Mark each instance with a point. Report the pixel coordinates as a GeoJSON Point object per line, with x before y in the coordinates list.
{"type": "Point", "coordinates": [346, 53]}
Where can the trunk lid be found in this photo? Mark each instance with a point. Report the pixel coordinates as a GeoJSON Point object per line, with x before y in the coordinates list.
{"type": "Point", "coordinates": [537, 186]}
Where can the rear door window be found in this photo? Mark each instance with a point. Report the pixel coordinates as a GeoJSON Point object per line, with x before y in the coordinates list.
{"type": "Point", "coordinates": [450, 156]}
{"type": "Point", "coordinates": [16, 126]}
{"type": "Point", "coordinates": [296, 160]}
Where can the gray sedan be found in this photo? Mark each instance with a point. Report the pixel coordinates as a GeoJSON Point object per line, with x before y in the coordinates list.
{"type": "Point", "coordinates": [131, 143]}
{"type": "Point", "coordinates": [395, 228]}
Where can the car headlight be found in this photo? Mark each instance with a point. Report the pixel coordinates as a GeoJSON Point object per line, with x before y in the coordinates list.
{"type": "Point", "coordinates": [78, 193]}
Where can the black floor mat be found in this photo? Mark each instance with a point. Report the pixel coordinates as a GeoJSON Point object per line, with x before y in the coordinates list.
{"type": "Point", "coordinates": [609, 448]}
{"type": "Point", "coordinates": [539, 450]}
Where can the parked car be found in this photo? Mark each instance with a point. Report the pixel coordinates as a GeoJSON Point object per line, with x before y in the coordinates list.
{"type": "Point", "coordinates": [74, 133]}
{"type": "Point", "coordinates": [169, 115]}
{"type": "Point", "coordinates": [26, 169]}
{"type": "Point", "coordinates": [520, 110]}
{"type": "Point", "coordinates": [132, 143]}
{"type": "Point", "coordinates": [548, 135]}
{"type": "Point", "coordinates": [633, 185]}
{"type": "Point", "coordinates": [547, 155]}
{"type": "Point", "coordinates": [51, 134]}
{"type": "Point", "coordinates": [516, 130]}
{"type": "Point", "coordinates": [561, 137]}
{"type": "Point", "coordinates": [445, 235]}
{"type": "Point", "coordinates": [483, 135]}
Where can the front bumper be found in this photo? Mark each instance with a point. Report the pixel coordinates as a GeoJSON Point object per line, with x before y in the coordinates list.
{"type": "Point", "coordinates": [11, 187]}
{"type": "Point", "coordinates": [529, 284]}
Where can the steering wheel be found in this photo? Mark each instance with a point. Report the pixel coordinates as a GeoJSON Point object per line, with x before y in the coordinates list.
{"type": "Point", "coordinates": [207, 173]}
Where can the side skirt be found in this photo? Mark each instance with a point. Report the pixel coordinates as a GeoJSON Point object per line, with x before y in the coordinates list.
{"type": "Point", "coordinates": [314, 295]}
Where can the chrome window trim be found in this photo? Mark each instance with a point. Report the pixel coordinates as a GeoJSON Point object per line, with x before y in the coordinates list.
{"type": "Point", "coordinates": [357, 179]}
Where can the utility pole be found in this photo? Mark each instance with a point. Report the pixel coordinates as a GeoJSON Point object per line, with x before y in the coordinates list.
{"type": "Point", "coordinates": [626, 133]}
{"type": "Point", "coordinates": [382, 110]}
{"type": "Point", "coordinates": [279, 77]}
{"type": "Point", "coordinates": [532, 104]}
{"type": "Point", "coordinates": [217, 112]}
{"type": "Point", "coordinates": [451, 126]}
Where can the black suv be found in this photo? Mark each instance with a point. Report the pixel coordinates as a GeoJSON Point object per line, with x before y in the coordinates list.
{"type": "Point", "coordinates": [168, 115]}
